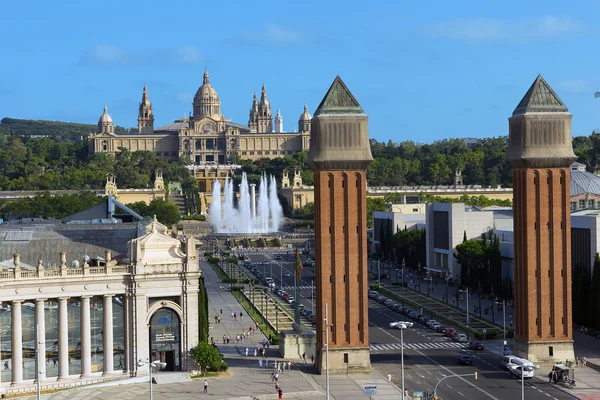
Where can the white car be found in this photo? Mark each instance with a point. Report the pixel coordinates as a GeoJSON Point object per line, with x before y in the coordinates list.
{"type": "Point", "coordinates": [398, 324]}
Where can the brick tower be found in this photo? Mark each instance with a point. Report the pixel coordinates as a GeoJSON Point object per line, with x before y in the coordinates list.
{"type": "Point", "coordinates": [540, 151]}
{"type": "Point", "coordinates": [339, 154]}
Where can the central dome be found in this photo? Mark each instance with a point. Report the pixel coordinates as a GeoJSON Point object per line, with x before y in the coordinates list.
{"type": "Point", "coordinates": [206, 101]}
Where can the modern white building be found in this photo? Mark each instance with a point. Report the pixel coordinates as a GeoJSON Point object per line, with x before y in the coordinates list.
{"type": "Point", "coordinates": [98, 317]}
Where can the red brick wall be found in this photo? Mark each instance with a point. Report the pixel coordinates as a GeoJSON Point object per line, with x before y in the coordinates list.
{"type": "Point", "coordinates": [341, 256]}
{"type": "Point", "coordinates": [542, 228]}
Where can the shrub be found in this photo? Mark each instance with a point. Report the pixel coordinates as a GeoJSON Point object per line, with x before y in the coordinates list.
{"type": "Point", "coordinates": [374, 286]}
{"type": "Point", "coordinates": [402, 284]}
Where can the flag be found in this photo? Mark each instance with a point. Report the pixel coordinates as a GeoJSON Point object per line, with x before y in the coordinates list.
{"type": "Point", "coordinates": [298, 267]}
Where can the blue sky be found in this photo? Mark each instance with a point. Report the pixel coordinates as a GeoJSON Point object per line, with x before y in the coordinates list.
{"type": "Point", "coordinates": [423, 71]}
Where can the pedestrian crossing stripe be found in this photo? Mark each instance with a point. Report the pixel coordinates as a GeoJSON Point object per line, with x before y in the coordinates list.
{"type": "Point", "coordinates": [416, 346]}
{"type": "Point", "coordinates": [298, 287]}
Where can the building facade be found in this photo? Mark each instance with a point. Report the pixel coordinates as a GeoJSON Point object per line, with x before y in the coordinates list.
{"type": "Point", "coordinates": [340, 154]}
{"type": "Point", "coordinates": [99, 316]}
{"type": "Point", "coordinates": [206, 136]}
{"type": "Point", "coordinates": [540, 152]}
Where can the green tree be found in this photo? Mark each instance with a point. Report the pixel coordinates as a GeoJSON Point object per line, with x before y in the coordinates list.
{"type": "Point", "coordinates": [374, 204]}
{"type": "Point", "coordinates": [470, 256]}
{"type": "Point", "coordinates": [206, 356]}
{"type": "Point", "coordinates": [166, 211]}
{"type": "Point", "coordinates": [203, 322]}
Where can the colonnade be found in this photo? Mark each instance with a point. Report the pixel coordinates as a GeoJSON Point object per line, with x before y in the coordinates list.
{"type": "Point", "coordinates": [63, 337]}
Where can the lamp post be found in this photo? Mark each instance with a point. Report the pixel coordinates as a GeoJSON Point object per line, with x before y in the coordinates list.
{"type": "Point", "coordinates": [479, 296]}
{"type": "Point", "coordinates": [493, 306]}
{"type": "Point", "coordinates": [266, 308]}
{"type": "Point", "coordinates": [151, 365]}
{"type": "Point", "coordinates": [503, 319]}
{"type": "Point", "coordinates": [327, 326]}
{"type": "Point", "coordinates": [429, 280]}
{"type": "Point", "coordinates": [276, 318]}
{"type": "Point", "coordinates": [419, 275]}
{"type": "Point", "coordinates": [467, 293]}
{"type": "Point", "coordinates": [446, 278]}
{"type": "Point", "coordinates": [402, 328]}
{"type": "Point", "coordinates": [379, 273]}
{"type": "Point", "coordinates": [312, 296]}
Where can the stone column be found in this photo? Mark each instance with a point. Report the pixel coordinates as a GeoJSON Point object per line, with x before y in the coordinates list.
{"type": "Point", "coordinates": [86, 340]}
{"type": "Point", "coordinates": [63, 339]}
{"type": "Point", "coordinates": [40, 337]}
{"type": "Point", "coordinates": [108, 334]}
{"type": "Point", "coordinates": [17, 343]}
{"type": "Point", "coordinates": [127, 334]}
{"type": "Point", "coordinates": [253, 199]}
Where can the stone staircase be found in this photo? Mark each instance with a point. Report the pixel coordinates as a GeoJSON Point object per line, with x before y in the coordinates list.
{"type": "Point", "coordinates": [170, 377]}
{"type": "Point", "coordinates": [179, 201]}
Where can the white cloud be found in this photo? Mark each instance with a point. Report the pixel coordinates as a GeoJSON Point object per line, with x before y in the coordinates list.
{"type": "Point", "coordinates": [487, 29]}
{"type": "Point", "coordinates": [272, 34]}
{"type": "Point", "coordinates": [110, 55]}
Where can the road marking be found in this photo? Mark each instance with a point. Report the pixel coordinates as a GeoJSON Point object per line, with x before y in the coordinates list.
{"type": "Point", "coordinates": [422, 376]}
{"type": "Point", "coordinates": [461, 394]}
{"type": "Point", "coordinates": [449, 386]}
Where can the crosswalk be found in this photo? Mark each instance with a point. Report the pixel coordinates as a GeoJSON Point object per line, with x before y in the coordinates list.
{"type": "Point", "coordinates": [416, 346]}
{"type": "Point", "coordinates": [298, 287]}
{"type": "Point", "coordinates": [260, 252]}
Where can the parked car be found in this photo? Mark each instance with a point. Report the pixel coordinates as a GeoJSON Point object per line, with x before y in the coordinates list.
{"type": "Point", "coordinates": [476, 345]}
{"type": "Point", "coordinates": [287, 274]}
{"type": "Point", "coordinates": [465, 359]}
{"type": "Point", "coordinates": [460, 338]}
{"type": "Point", "coordinates": [398, 324]}
{"type": "Point", "coordinates": [441, 329]}
{"type": "Point", "coordinates": [450, 332]}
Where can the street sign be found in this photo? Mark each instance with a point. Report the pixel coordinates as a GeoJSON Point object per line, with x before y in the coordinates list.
{"type": "Point", "coordinates": [468, 321]}
{"type": "Point", "coordinates": [505, 342]}
{"type": "Point", "coordinates": [484, 331]}
{"type": "Point", "coordinates": [371, 390]}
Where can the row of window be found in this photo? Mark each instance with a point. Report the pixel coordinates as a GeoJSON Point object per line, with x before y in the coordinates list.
{"type": "Point", "coordinates": [590, 205]}
{"type": "Point", "coordinates": [166, 154]}
{"type": "Point", "coordinates": [267, 152]}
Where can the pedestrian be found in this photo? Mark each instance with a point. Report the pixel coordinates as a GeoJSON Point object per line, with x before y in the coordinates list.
{"type": "Point", "coordinates": [584, 361]}
{"type": "Point", "coordinates": [304, 358]}
{"type": "Point", "coordinates": [272, 377]}
{"type": "Point", "coordinates": [260, 362]}
{"type": "Point", "coordinates": [216, 318]}
{"type": "Point", "coordinates": [389, 379]}
{"type": "Point", "coordinates": [231, 315]}
{"type": "Point", "coordinates": [237, 338]}
{"type": "Point", "coordinates": [221, 312]}
{"type": "Point", "coordinates": [406, 396]}
{"type": "Point", "coordinates": [255, 352]}
{"type": "Point", "coordinates": [205, 387]}
{"type": "Point", "coordinates": [280, 394]}
{"type": "Point", "coordinates": [289, 366]}
{"type": "Point", "coordinates": [276, 376]}
{"type": "Point", "coordinates": [240, 315]}
{"type": "Point", "coordinates": [224, 339]}
{"type": "Point", "coordinates": [246, 352]}
{"type": "Point", "coordinates": [276, 387]}
{"type": "Point", "coordinates": [234, 315]}
{"type": "Point", "coordinates": [312, 359]}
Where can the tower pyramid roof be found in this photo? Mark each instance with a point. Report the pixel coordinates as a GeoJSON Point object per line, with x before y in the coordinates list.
{"type": "Point", "coordinates": [540, 98]}
{"type": "Point", "coordinates": [339, 100]}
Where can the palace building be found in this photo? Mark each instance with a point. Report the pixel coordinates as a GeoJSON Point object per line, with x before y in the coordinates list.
{"type": "Point", "coordinates": [206, 136]}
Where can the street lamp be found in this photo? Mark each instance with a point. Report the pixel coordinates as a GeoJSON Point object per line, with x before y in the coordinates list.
{"type": "Point", "coordinates": [503, 319]}
{"type": "Point", "coordinates": [467, 293]}
{"type": "Point", "coordinates": [446, 278]}
{"type": "Point", "coordinates": [479, 296]}
{"type": "Point", "coordinates": [154, 364]}
{"type": "Point", "coordinates": [277, 318]}
{"type": "Point", "coordinates": [402, 328]}
{"type": "Point", "coordinates": [429, 280]}
{"type": "Point", "coordinates": [403, 266]}
{"type": "Point", "coordinates": [524, 368]}
{"type": "Point", "coordinates": [419, 275]}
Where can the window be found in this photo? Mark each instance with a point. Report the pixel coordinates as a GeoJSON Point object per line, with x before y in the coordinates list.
{"type": "Point", "coordinates": [251, 153]}
{"type": "Point", "coordinates": [243, 153]}
{"type": "Point", "coordinates": [104, 145]}
{"type": "Point", "coordinates": [591, 204]}
{"type": "Point", "coordinates": [581, 204]}
{"type": "Point", "coordinates": [573, 206]}
{"type": "Point", "coordinates": [289, 152]}
{"type": "Point", "coordinates": [259, 153]}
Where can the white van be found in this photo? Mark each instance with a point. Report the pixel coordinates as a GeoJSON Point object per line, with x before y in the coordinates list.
{"type": "Point", "coordinates": [527, 372]}
{"type": "Point", "coordinates": [508, 362]}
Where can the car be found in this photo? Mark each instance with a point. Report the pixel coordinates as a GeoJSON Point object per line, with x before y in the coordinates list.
{"type": "Point", "coordinates": [278, 258]}
{"type": "Point", "coordinates": [306, 264]}
{"type": "Point", "coordinates": [287, 274]}
{"type": "Point", "coordinates": [388, 302]}
{"type": "Point", "coordinates": [441, 329]}
{"type": "Point", "coordinates": [398, 324]}
{"type": "Point", "coordinates": [290, 300]}
{"type": "Point", "coordinates": [450, 332]}
{"type": "Point", "coordinates": [434, 327]}
{"type": "Point", "coordinates": [522, 371]}
{"type": "Point", "coordinates": [465, 359]}
{"type": "Point", "coordinates": [476, 345]}
{"type": "Point", "coordinates": [431, 322]}
{"type": "Point", "coordinates": [460, 338]}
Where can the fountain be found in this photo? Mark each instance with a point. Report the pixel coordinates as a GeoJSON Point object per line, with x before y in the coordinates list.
{"type": "Point", "coordinates": [248, 217]}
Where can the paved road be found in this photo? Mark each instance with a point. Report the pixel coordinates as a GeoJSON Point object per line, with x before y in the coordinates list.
{"type": "Point", "coordinates": [429, 356]}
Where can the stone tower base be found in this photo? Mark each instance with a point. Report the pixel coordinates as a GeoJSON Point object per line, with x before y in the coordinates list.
{"type": "Point", "coordinates": [545, 352]}
{"type": "Point", "coordinates": [359, 361]}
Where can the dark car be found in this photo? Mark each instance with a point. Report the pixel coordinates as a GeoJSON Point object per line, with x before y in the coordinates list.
{"type": "Point", "coordinates": [278, 258]}
{"type": "Point", "coordinates": [464, 359]}
{"type": "Point", "coordinates": [441, 329]}
{"type": "Point", "coordinates": [476, 345]}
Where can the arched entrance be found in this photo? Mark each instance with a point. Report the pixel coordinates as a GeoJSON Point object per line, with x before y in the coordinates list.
{"type": "Point", "coordinates": [165, 338]}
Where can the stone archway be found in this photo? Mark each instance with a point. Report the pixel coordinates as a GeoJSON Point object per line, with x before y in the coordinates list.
{"type": "Point", "coordinates": [165, 336]}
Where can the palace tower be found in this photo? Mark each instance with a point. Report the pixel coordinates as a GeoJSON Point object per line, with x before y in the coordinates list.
{"type": "Point", "coordinates": [339, 154]}
{"type": "Point", "coordinates": [540, 152]}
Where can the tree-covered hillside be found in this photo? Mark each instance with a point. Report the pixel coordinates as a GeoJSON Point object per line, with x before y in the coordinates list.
{"type": "Point", "coordinates": [61, 131]}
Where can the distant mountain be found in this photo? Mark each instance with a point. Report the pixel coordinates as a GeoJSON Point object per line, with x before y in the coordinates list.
{"type": "Point", "coordinates": [61, 131]}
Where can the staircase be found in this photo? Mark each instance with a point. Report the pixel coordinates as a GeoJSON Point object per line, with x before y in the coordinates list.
{"type": "Point", "coordinates": [179, 201]}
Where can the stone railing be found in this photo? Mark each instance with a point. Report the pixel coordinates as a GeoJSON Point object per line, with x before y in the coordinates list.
{"type": "Point", "coordinates": [63, 271]}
